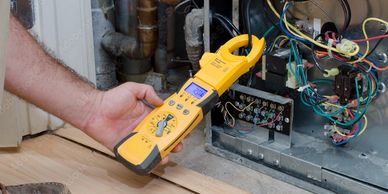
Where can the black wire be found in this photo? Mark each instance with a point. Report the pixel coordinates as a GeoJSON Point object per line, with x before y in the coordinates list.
{"type": "Point", "coordinates": [195, 4]}
{"type": "Point", "coordinates": [248, 21]}
{"type": "Point", "coordinates": [313, 53]}
{"type": "Point", "coordinates": [229, 22]}
{"type": "Point", "coordinates": [224, 24]}
{"type": "Point", "coordinates": [347, 14]}
{"type": "Point", "coordinates": [267, 15]}
{"type": "Point", "coordinates": [317, 101]}
{"type": "Point", "coordinates": [376, 46]}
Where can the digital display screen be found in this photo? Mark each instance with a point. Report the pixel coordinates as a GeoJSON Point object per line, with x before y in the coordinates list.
{"type": "Point", "coordinates": [196, 90]}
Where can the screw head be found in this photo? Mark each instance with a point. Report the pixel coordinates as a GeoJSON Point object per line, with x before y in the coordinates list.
{"type": "Point", "coordinates": [381, 56]}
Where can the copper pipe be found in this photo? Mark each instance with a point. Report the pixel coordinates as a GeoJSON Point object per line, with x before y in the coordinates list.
{"type": "Point", "coordinates": [140, 47]}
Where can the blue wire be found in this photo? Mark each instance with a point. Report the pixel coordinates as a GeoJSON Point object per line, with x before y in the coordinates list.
{"type": "Point", "coordinates": [358, 117]}
{"type": "Point", "coordinates": [358, 95]}
{"type": "Point", "coordinates": [318, 108]}
{"type": "Point", "coordinates": [351, 138]}
{"type": "Point", "coordinates": [284, 30]}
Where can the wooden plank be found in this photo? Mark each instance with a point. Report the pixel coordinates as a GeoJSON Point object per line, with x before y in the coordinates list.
{"type": "Point", "coordinates": [77, 135]}
{"type": "Point", "coordinates": [51, 158]}
{"type": "Point", "coordinates": [193, 180]}
{"type": "Point", "coordinates": [10, 128]}
{"type": "Point", "coordinates": [182, 176]}
{"type": "Point", "coordinates": [38, 119]}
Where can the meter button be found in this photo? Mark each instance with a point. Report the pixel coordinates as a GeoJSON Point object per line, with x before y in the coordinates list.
{"type": "Point", "coordinates": [186, 112]}
{"type": "Point", "coordinates": [179, 106]}
{"type": "Point", "coordinates": [171, 103]}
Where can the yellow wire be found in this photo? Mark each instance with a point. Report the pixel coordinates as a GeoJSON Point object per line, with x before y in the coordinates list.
{"type": "Point", "coordinates": [293, 30]}
{"type": "Point", "coordinates": [362, 131]}
{"type": "Point", "coordinates": [335, 127]}
{"type": "Point", "coordinates": [240, 110]}
{"type": "Point", "coordinates": [276, 39]}
{"type": "Point", "coordinates": [282, 43]}
{"type": "Point", "coordinates": [366, 36]}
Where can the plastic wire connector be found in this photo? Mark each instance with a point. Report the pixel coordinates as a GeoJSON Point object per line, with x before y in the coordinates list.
{"type": "Point", "coordinates": [331, 72]}
{"type": "Point", "coordinates": [347, 46]}
{"type": "Point", "coordinates": [302, 88]}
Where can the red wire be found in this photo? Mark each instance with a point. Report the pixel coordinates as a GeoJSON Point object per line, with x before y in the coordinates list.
{"type": "Point", "coordinates": [245, 129]}
{"type": "Point", "coordinates": [371, 38]}
{"type": "Point", "coordinates": [350, 113]}
{"type": "Point", "coordinates": [269, 123]}
{"type": "Point", "coordinates": [354, 129]}
{"type": "Point", "coordinates": [262, 124]}
{"type": "Point", "coordinates": [374, 66]}
{"type": "Point", "coordinates": [364, 60]}
{"type": "Point", "coordinates": [369, 75]}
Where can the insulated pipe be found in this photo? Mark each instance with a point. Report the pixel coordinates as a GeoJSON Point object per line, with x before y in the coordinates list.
{"type": "Point", "coordinates": [194, 36]}
{"type": "Point", "coordinates": [138, 30]}
{"type": "Point", "coordinates": [161, 63]}
{"type": "Point", "coordinates": [103, 18]}
{"type": "Point", "coordinates": [171, 26]}
{"type": "Point", "coordinates": [166, 43]}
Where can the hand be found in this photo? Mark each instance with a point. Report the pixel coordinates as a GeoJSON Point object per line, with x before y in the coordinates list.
{"type": "Point", "coordinates": [118, 111]}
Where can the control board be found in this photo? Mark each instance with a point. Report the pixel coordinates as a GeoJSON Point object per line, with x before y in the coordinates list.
{"type": "Point", "coordinates": [262, 109]}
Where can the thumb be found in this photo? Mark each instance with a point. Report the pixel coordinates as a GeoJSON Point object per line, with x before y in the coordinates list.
{"type": "Point", "coordinates": [147, 93]}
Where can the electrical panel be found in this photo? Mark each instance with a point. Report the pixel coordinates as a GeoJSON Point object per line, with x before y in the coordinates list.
{"type": "Point", "coordinates": [315, 106]}
{"type": "Point", "coordinates": [261, 109]}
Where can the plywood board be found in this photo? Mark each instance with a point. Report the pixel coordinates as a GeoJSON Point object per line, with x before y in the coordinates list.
{"type": "Point", "coordinates": [182, 176]}
{"type": "Point", "coordinates": [51, 158]}
{"type": "Point", "coordinates": [10, 123]}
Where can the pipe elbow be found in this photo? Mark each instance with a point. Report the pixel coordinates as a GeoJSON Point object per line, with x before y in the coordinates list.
{"type": "Point", "coordinates": [140, 47]}
{"type": "Point", "coordinates": [194, 36]}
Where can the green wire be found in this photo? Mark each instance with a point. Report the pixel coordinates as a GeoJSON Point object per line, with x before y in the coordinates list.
{"type": "Point", "coordinates": [322, 81]}
{"type": "Point", "coordinates": [292, 53]}
{"type": "Point", "coordinates": [349, 123]}
{"type": "Point", "coordinates": [266, 33]}
{"type": "Point", "coordinates": [301, 78]}
{"type": "Point", "coordinates": [318, 108]}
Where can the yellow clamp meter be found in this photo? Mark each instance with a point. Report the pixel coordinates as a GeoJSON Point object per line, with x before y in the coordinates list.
{"type": "Point", "coordinates": [167, 125]}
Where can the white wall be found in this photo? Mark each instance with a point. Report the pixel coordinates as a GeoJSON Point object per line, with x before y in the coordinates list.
{"type": "Point", "coordinates": [65, 27]}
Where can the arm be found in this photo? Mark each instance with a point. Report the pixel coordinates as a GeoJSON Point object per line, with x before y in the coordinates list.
{"type": "Point", "coordinates": [40, 79]}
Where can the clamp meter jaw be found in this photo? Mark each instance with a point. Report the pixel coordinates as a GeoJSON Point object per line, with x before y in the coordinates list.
{"type": "Point", "coordinates": [167, 125]}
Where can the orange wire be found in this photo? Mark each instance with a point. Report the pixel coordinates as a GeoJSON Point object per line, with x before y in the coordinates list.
{"type": "Point", "coordinates": [282, 42]}
{"type": "Point", "coordinates": [374, 66]}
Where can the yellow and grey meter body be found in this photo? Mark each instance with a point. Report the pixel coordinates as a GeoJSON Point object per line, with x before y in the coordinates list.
{"type": "Point", "coordinates": [167, 125]}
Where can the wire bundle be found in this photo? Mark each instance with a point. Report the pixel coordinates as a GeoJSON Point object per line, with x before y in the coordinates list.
{"type": "Point", "coordinates": [348, 121]}
{"type": "Point", "coordinates": [345, 116]}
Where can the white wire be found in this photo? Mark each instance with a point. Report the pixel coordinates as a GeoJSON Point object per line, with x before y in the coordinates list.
{"type": "Point", "coordinates": [230, 115]}
{"type": "Point", "coordinates": [181, 3]}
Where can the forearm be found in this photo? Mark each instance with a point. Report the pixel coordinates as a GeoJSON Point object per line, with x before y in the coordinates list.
{"type": "Point", "coordinates": [40, 79]}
